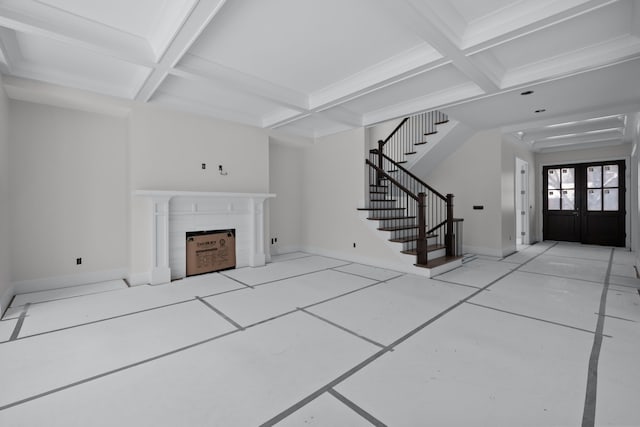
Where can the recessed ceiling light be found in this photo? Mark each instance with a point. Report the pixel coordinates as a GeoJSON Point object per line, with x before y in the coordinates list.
{"type": "Point", "coordinates": [527, 92]}
{"type": "Point", "coordinates": [542, 110]}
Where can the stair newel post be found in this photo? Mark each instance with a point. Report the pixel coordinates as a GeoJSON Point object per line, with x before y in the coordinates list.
{"type": "Point", "coordinates": [422, 229]}
{"type": "Point", "coordinates": [380, 159]}
{"type": "Point", "coordinates": [449, 234]}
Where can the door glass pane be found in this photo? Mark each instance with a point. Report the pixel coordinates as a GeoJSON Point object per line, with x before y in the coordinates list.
{"type": "Point", "coordinates": [594, 200]}
{"type": "Point", "coordinates": [553, 179]}
{"type": "Point", "coordinates": [611, 199]}
{"type": "Point", "coordinates": [610, 176]}
{"type": "Point", "coordinates": [594, 177]}
{"type": "Point", "coordinates": [554, 200]}
{"type": "Point", "coordinates": [568, 178]}
{"type": "Point", "coordinates": [568, 200]}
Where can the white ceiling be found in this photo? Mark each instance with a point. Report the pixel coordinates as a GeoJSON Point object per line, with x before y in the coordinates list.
{"type": "Point", "coordinates": [315, 67]}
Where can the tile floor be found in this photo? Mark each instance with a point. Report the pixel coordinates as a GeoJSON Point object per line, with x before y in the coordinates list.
{"type": "Point", "coordinates": [310, 340]}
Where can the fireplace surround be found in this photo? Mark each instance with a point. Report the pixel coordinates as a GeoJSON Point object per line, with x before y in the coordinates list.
{"type": "Point", "coordinates": [174, 213]}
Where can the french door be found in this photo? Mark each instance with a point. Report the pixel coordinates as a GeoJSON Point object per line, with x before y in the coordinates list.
{"type": "Point", "coordinates": [585, 203]}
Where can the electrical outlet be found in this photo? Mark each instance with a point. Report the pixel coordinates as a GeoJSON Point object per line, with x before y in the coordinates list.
{"type": "Point", "coordinates": [78, 261]}
{"type": "Point", "coordinates": [354, 245]}
{"type": "Point", "coordinates": [204, 166]}
{"type": "Point", "coordinates": [276, 239]}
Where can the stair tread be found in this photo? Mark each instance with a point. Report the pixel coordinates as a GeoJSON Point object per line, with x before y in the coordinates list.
{"type": "Point", "coordinates": [390, 218]}
{"type": "Point", "coordinates": [411, 238]}
{"type": "Point", "coordinates": [431, 133]}
{"type": "Point", "coordinates": [420, 143]}
{"type": "Point", "coordinates": [381, 209]}
{"type": "Point", "coordinates": [442, 122]}
{"type": "Point", "coordinates": [430, 248]}
{"type": "Point", "coordinates": [411, 152]}
{"type": "Point", "coordinates": [433, 263]}
{"type": "Point", "coordinates": [398, 228]}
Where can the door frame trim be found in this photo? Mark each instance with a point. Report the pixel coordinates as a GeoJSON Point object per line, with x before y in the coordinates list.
{"type": "Point", "coordinates": [578, 161]}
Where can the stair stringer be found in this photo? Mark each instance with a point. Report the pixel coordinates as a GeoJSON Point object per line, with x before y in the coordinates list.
{"type": "Point", "coordinates": [405, 263]}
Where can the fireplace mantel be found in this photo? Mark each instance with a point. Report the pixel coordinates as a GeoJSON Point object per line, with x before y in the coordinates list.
{"type": "Point", "coordinates": [175, 212]}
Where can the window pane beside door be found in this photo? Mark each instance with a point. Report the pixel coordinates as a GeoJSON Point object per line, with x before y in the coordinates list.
{"type": "Point", "coordinates": [594, 177]}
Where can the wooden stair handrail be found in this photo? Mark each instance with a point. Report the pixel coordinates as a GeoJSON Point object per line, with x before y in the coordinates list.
{"type": "Point", "coordinates": [395, 130]}
{"type": "Point", "coordinates": [390, 178]}
{"type": "Point", "coordinates": [421, 182]}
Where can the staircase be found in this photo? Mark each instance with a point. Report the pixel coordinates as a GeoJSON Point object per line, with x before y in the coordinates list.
{"type": "Point", "coordinates": [415, 216]}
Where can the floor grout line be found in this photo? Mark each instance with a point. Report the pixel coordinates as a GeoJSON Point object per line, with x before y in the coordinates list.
{"type": "Point", "coordinates": [342, 328]}
{"type": "Point", "coordinates": [281, 416]}
{"type": "Point", "coordinates": [71, 297]}
{"type": "Point", "coordinates": [221, 314]}
{"type": "Point", "coordinates": [365, 277]}
{"type": "Point", "coordinates": [235, 280]}
{"type": "Point", "coordinates": [19, 323]}
{"type": "Point", "coordinates": [300, 275]}
{"type": "Point", "coordinates": [513, 313]}
{"type": "Point", "coordinates": [454, 283]}
{"type": "Point", "coordinates": [357, 409]}
{"type": "Point", "coordinates": [589, 413]}
{"type": "Point", "coordinates": [114, 371]}
{"type": "Point", "coordinates": [591, 282]}
{"type": "Point", "coordinates": [616, 317]}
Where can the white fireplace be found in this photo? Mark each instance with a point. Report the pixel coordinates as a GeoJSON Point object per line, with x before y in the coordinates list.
{"type": "Point", "coordinates": [174, 213]}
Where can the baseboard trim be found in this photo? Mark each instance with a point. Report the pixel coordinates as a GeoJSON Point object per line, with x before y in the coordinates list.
{"type": "Point", "coordinates": [5, 299]}
{"type": "Point", "coordinates": [48, 283]}
{"type": "Point", "coordinates": [137, 279]}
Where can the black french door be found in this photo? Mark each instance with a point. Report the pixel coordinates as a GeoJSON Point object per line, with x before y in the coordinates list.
{"type": "Point", "coordinates": [585, 203]}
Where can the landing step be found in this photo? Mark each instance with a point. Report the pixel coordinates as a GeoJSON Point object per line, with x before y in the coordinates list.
{"type": "Point", "coordinates": [411, 238]}
{"type": "Point", "coordinates": [430, 248]}
{"type": "Point", "coordinates": [438, 262]}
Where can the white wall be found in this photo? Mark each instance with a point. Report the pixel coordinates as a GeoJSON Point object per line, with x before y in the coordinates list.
{"type": "Point", "coordinates": [167, 149]}
{"type": "Point", "coordinates": [334, 189]}
{"type": "Point", "coordinates": [68, 196]}
{"type": "Point", "coordinates": [286, 179]}
{"type": "Point", "coordinates": [5, 264]}
{"type": "Point", "coordinates": [473, 174]}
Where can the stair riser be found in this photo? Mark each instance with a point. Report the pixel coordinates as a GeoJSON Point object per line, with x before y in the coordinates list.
{"type": "Point", "coordinates": [397, 222]}
{"type": "Point", "coordinates": [378, 196]}
{"type": "Point", "coordinates": [382, 204]}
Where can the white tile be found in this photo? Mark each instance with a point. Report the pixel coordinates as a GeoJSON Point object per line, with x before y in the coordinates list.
{"type": "Point", "coordinates": [478, 367]}
{"type": "Point", "coordinates": [624, 270]}
{"type": "Point", "coordinates": [624, 256]}
{"type": "Point", "coordinates": [521, 257]}
{"type": "Point", "coordinates": [625, 281]}
{"type": "Point", "coordinates": [623, 304]}
{"type": "Point", "coordinates": [6, 329]}
{"type": "Point", "coordinates": [387, 311]}
{"type": "Point", "coordinates": [618, 375]}
{"type": "Point", "coordinates": [325, 411]}
{"type": "Point", "coordinates": [478, 272]}
{"type": "Point", "coordinates": [263, 302]}
{"type": "Point", "coordinates": [374, 273]}
{"type": "Point", "coordinates": [289, 256]}
{"type": "Point", "coordinates": [576, 250]}
{"type": "Point", "coordinates": [574, 268]}
{"type": "Point", "coordinates": [70, 292]}
{"type": "Point", "coordinates": [240, 380]}
{"type": "Point", "coordinates": [69, 312]}
{"type": "Point", "coordinates": [39, 364]}
{"type": "Point", "coordinates": [556, 299]}
{"type": "Point", "coordinates": [283, 270]}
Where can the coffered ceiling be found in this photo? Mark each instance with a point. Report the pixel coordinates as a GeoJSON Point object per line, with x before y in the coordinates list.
{"type": "Point", "coordinates": [315, 67]}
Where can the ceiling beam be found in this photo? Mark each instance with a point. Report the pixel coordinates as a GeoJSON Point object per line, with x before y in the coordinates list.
{"type": "Point", "coordinates": [342, 115]}
{"type": "Point", "coordinates": [196, 68]}
{"type": "Point", "coordinates": [421, 20]}
{"type": "Point", "coordinates": [9, 50]}
{"type": "Point", "coordinates": [71, 29]}
{"type": "Point", "coordinates": [186, 36]}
